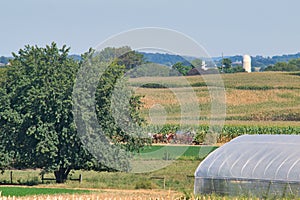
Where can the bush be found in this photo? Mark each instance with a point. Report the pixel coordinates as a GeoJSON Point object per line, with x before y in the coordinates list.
{"type": "Point", "coordinates": [199, 137]}
{"type": "Point", "coordinates": [199, 84]}
{"type": "Point", "coordinates": [144, 185]}
{"type": "Point", "coordinates": [254, 87]}
{"type": "Point", "coordinates": [153, 85]}
{"type": "Point", "coordinates": [30, 182]}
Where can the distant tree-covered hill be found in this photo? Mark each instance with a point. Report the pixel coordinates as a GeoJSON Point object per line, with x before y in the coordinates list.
{"type": "Point", "coordinates": [75, 57]}
{"type": "Point", "coordinates": [4, 60]}
{"type": "Point", "coordinates": [166, 59]}
{"type": "Point", "coordinates": [257, 61]}
{"type": "Point", "coordinates": [261, 61]}
{"type": "Point", "coordinates": [170, 59]}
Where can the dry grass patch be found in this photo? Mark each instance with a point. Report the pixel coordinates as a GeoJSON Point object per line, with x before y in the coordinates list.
{"type": "Point", "coordinates": [107, 194]}
{"type": "Point", "coordinates": [246, 97]}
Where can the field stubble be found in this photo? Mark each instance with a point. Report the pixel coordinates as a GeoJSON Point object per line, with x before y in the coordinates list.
{"type": "Point", "coordinates": [257, 97]}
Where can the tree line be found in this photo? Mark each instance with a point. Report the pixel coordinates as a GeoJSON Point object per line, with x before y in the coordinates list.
{"type": "Point", "coordinates": [291, 65]}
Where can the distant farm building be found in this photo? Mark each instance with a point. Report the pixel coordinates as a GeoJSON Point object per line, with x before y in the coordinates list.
{"type": "Point", "coordinates": [237, 63]}
{"type": "Point", "coordinates": [205, 67]}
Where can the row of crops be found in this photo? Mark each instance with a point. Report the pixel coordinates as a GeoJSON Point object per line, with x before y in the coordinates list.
{"type": "Point", "coordinates": [224, 134]}
{"type": "Point", "coordinates": [203, 84]}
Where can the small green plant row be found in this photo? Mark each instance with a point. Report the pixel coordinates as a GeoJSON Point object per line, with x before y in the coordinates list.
{"type": "Point", "coordinates": [265, 87]}
{"type": "Point", "coordinates": [254, 87]}
{"type": "Point", "coordinates": [204, 84]}
{"type": "Point", "coordinates": [225, 133]}
{"type": "Point", "coordinates": [172, 85]}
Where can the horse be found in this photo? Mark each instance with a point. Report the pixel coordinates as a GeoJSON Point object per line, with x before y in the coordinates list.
{"type": "Point", "coordinates": [185, 137]}
{"type": "Point", "coordinates": [158, 138]}
{"type": "Point", "coordinates": [171, 137]}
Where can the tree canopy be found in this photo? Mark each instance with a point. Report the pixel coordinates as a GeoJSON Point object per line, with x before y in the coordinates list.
{"type": "Point", "coordinates": [37, 127]}
{"type": "Point", "coordinates": [227, 63]}
{"type": "Point", "coordinates": [228, 68]}
{"type": "Point", "coordinates": [180, 69]}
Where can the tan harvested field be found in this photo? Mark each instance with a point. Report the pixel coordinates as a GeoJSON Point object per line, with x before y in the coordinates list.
{"type": "Point", "coordinates": [106, 194]}
{"type": "Point", "coordinates": [266, 98]}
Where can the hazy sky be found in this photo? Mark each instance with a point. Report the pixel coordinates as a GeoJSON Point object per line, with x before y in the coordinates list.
{"type": "Point", "coordinates": [264, 27]}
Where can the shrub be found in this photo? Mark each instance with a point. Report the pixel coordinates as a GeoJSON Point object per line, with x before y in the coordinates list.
{"type": "Point", "coordinates": [153, 85]}
{"type": "Point", "coordinates": [145, 185]}
{"type": "Point", "coordinates": [254, 87]}
{"type": "Point", "coordinates": [199, 84]}
{"type": "Point", "coordinates": [30, 181]}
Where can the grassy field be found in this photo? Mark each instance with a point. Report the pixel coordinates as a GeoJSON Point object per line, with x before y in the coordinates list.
{"type": "Point", "coordinates": [268, 98]}
{"type": "Point", "coordinates": [189, 152]}
{"type": "Point", "coordinates": [175, 172]}
{"type": "Point", "coordinates": [178, 177]}
{"type": "Point", "coordinates": [26, 191]}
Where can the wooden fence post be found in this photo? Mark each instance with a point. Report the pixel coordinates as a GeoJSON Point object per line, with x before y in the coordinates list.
{"type": "Point", "coordinates": [80, 178]}
{"type": "Point", "coordinates": [11, 177]}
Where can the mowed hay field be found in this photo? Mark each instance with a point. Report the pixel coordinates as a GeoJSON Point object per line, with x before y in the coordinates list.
{"type": "Point", "coordinates": [265, 98]}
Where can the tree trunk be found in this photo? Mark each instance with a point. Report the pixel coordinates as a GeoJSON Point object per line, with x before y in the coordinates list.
{"type": "Point", "coordinates": [61, 175]}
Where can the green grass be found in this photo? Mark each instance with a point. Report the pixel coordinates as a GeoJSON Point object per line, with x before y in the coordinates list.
{"type": "Point", "coordinates": [178, 175]}
{"type": "Point", "coordinates": [198, 152]}
{"type": "Point", "coordinates": [29, 191]}
{"type": "Point", "coordinates": [179, 152]}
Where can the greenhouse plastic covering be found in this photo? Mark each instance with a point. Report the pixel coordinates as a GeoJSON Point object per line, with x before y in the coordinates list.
{"type": "Point", "coordinates": [268, 163]}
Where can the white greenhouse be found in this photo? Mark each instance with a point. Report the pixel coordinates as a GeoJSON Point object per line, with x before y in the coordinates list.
{"type": "Point", "coordinates": [258, 165]}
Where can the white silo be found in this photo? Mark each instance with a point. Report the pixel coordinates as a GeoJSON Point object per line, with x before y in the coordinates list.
{"type": "Point", "coordinates": [247, 63]}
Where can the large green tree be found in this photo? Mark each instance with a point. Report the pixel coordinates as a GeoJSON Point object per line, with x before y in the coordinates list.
{"type": "Point", "coordinates": [227, 63]}
{"type": "Point", "coordinates": [180, 69]}
{"type": "Point", "coordinates": [37, 127]}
